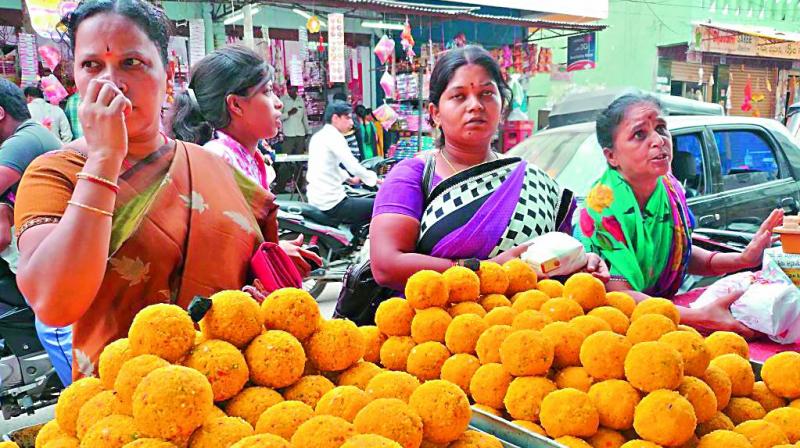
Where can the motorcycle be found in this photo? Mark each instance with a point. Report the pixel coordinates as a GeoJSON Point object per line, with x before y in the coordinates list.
{"type": "Point", "coordinates": [339, 245]}
{"type": "Point", "coordinates": [28, 380]}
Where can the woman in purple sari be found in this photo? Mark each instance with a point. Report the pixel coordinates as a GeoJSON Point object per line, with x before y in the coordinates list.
{"type": "Point", "coordinates": [464, 203]}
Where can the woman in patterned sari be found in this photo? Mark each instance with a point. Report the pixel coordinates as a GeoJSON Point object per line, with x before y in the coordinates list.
{"type": "Point", "coordinates": [479, 206]}
{"type": "Point", "coordinates": [126, 217]}
{"type": "Point", "coordinates": [637, 219]}
{"type": "Point", "coordinates": [229, 108]}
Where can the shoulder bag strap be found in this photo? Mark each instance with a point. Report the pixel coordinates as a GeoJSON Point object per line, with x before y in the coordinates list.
{"type": "Point", "coordinates": [427, 176]}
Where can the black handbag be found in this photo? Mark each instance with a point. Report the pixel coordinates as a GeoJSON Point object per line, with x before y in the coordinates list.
{"type": "Point", "coordinates": [361, 294]}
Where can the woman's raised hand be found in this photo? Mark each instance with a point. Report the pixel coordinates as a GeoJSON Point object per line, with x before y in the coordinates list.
{"type": "Point", "coordinates": [762, 240]}
{"type": "Point", "coordinates": [102, 114]}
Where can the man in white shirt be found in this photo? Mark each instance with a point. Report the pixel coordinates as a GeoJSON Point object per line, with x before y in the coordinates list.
{"type": "Point", "coordinates": [295, 122]}
{"type": "Point", "coordinates": [330, 164]}
{"type": "Point", "coordinates": [51, 117]}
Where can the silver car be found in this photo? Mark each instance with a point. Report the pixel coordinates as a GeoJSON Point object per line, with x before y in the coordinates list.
{"type": "Point", "coordinates": [735, 170]}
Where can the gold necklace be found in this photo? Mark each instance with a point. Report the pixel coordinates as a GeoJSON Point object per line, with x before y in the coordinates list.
{"type": "Point", "coordinates": [452, 168]}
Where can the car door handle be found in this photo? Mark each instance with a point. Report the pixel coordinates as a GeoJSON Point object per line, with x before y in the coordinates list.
{"type": "Point", "coordinates": [789, 204]}
{"type": "Point", "coordinates": [708, 220]}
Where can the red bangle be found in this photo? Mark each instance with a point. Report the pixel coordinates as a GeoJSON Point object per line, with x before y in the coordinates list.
{"type": "Point", "coordinates": [99, 181]}
{"type": "Point", "coordinates": [708, 263]}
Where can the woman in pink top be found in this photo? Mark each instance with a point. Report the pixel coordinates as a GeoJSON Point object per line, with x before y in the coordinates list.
{"type": "Point", "coordinates": [228, 108]}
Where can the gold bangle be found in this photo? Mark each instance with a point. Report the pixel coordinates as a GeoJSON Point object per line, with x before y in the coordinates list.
{"type": "Point", "coordinates": [98, 180]}
{"type": "Point", "coordinates": [90, 208]}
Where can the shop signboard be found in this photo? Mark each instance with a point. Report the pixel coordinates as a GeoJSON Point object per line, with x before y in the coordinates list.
{"type": "Point", "coordinates": [582, 52]}
{"type": "Point", "coordinates": [302, 38]}
{"type": "Point", "coordinates": [336, 56]}
{"type": "Point", "coordinates": [28, 59]}
{"type": "Point", "coordinates": [197, 40]}
{"type": "Point", "coordinates": [694, 57]}
{"type": "Point", "coordinates": [724, 41]}
{"type": "Point", "coordinates": [296, 71]}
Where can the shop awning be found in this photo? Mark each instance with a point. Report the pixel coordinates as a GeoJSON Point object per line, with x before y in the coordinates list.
{"type": "Point", "coordinates": [451, 12]}
{"type": "Point", "coordinates": [770, 34]}
{"type": "Point", "coordinates": [745, 40]}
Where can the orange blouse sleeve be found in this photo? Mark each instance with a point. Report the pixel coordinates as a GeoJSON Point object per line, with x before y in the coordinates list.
{"type": "Point", "coordinates": [45, 188]}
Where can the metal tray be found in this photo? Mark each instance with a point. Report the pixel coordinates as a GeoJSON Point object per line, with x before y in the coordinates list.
{"type": "Point", "coordinates": [511, 435]}
{"type": "Point", "coordinates": [757, 369]}
{"type": "Point", "coordinates": [25, 437]}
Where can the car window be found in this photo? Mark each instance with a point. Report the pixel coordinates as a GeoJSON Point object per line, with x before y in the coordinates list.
{"type": "Point", "coordinates": [688, 163]}
{"type": "Point", "coordinates": [746, 158]}
{"type": "Point", "coordinates": [572, 157]}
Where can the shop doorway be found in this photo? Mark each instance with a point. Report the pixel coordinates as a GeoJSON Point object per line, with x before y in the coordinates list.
{"type": "Point", "coordinates": [686, 89]}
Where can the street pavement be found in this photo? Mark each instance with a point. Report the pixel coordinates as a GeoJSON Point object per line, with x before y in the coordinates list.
{"type": "Point", "coordinates": [327, 302]}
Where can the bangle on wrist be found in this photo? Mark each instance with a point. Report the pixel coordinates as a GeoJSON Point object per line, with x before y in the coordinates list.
{"type": "Point", "coordinates": [97, 180]}
{"type": "Point", "coordinates": [91, 209]}
{"type": "Point", "coordinates": [709, 267]}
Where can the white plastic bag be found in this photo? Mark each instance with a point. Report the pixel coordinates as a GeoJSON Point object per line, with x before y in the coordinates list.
{"type": "Point", "coordinates": [384, 49]}
{"type": "Point", "coordinates": [388, 84]}
{"type": "Point", "coordinates": [772, 304]}
{"type": "Point", "coordinates": [386, 116]}
{"type": "Point", "coordinates": [735, 284]}
{"type": "Point", "coordinates": [554, 254]}
{"type": "Point", "coordinates": [769, 302]}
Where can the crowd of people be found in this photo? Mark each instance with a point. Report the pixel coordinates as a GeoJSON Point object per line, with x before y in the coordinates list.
{"type": "Point", "coordinates": [136, 211]}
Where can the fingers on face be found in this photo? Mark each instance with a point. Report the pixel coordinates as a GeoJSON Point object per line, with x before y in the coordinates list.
{"type": "Point", "coordinates": [107, 94]}
{"type": "Point", "coordinates": [92, 91]}
{"type": "Point", "coordinates": [120, 104]}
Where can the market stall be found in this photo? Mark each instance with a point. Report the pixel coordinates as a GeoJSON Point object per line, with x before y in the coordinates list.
{"type": "Point", "coordinates": [388, 52]}
{"type": "Point", "coordinates": [497, 357]}
{"type": "Point", "coordinates": [749, 70]}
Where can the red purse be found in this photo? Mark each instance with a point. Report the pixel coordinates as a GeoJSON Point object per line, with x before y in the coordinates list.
{"type": "Point", "coordinates": [274, 269]}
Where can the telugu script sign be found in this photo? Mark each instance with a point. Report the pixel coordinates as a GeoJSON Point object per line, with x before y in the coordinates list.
{"type": "Point", "coordinates": [715, 40]}
{"type": "Point", "coordinates": [581, 52]}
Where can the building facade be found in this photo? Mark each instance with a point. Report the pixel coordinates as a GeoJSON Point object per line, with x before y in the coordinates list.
{"type": "Point", "coordinates": [739, 53]}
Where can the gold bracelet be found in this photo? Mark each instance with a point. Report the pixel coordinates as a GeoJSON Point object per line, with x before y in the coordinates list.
{"type": "Point", "coordinates": [99, 181]}
{"type": "Point", "coordinates": [90, 208]}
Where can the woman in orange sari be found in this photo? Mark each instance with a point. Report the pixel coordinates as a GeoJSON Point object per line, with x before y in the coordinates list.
{"type": "Point", "coordinates": [126, 217]}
